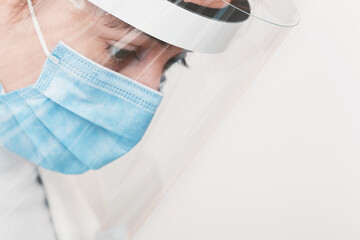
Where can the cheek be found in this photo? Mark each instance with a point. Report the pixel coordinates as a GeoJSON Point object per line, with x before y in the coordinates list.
{"type": "Point", "coordinates": [147, 72]}
{"type": "Point", "coordinates": [20, 62]}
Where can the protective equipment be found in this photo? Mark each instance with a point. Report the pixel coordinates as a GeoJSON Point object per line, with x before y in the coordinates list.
{"type": "Point", "coordinates": [195, 27]}
{"type": "Point", "coordinates": [154, 33]}
{"type": "Point", "coordinates": [2, 90]}
{"type": "Point", "coordinates": [78, 116]}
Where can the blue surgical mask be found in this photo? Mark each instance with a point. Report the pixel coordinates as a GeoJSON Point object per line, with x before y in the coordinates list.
{"type": "Point", "coordinates": [78, 116]}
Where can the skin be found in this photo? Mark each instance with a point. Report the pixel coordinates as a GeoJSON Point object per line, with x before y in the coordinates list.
{"type": "Point", "coordinates": [209, 3]}
{"type": "Point", "coordinates": [84, 31]}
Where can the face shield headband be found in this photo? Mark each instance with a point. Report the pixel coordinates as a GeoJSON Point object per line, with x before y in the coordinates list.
{"type": "Point", "coordinates": [192, 26]}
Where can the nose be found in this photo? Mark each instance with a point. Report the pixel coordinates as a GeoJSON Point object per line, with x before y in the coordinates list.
{"type": "Point", "coordinates": [150, 67]}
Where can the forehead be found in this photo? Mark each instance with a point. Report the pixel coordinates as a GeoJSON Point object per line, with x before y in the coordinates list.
{"type": "Point", "coordinates": [115, 24]}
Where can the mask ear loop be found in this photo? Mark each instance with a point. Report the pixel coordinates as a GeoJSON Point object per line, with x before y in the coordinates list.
{"type": "Point", "coordinates": [2, 90]}
{"type": "Point", "coordinates": [40, 34]}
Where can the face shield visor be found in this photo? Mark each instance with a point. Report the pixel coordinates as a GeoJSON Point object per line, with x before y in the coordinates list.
{"type": "Point", "coordinates": [196, 57]}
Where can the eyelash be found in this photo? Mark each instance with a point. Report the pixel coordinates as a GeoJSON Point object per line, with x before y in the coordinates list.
{"type": "Point", "coordinates": [180, 58]}
{"type": "Point", "coordinates": [118, 55]}
{"type": "Point", "coordinates": [125, 54]}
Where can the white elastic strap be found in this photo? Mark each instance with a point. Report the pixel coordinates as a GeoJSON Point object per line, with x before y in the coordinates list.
{"type": "Point", "coordinates": [2, 90]}
{"type": "Point", "coordinates": [38, 29]}
{"type": "Point", "coordinates": [80, 4]}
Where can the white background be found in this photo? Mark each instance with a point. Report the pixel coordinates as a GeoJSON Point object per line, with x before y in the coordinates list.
{"type": "Point", "coordinates": [285, 164]}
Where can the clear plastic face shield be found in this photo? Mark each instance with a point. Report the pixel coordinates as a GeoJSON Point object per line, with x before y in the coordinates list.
{"type": "Point", "coordinates": [103, 81]}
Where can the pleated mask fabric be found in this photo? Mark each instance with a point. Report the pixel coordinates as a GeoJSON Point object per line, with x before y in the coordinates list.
{"type": "Point", "coordinates": [78, 116]}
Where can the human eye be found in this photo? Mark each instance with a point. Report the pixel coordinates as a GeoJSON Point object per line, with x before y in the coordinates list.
{"type": "Point", "coordinates": [119, 55]}
{"type": "Point", "coordinates": [180, 58]}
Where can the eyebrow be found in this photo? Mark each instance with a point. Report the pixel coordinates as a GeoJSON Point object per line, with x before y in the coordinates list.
{"type": "Point", "coordinates": [118, 24]}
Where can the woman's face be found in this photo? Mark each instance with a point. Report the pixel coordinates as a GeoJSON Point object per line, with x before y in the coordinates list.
{"type": "Point", "coordinates": [94, 34]}
{"type": "Point", "coordinates": [91, 32]}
